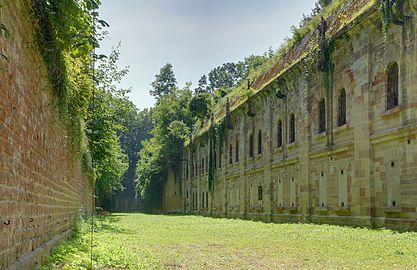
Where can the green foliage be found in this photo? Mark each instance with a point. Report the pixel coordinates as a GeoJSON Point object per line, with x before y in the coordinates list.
{"type": "Point", "coordinates": [200, 105]}
{"type": "Point", "coordinates": [178, 129]}
{"type": "Point", "coordinates": [163, 151]}
{"type": "Point", "coordinates": [164, 83]}
{"type": "Point", "coordinates": [212, 145]}
{"type": "Point", "coordinates": [68, 33]}
{"type": "Point", "coordinates": [385, 14]}
{"type": "Point", "coordinates": [109, 112]}
{"type": "Point", "coordinates": [138, 127]}
{"type": "Point", "coordinates": [202, 85]}
{"type": "Point", "coordinates": [223, 78]}
{"type": "Point", "coordinates": [391, 11]}
{"type": "Point", "coordinates": [74, 252]}
{"type": "Point", "coordinates": [220, 133]}
{"type": "Point", "coordinates": [65, 30]}
{"type": "Point", "coordinates": [150, 173]}
{"type": "Point", "coordinates": [65, 39]}
{"type": "Point", "coordinates": [310, 22]}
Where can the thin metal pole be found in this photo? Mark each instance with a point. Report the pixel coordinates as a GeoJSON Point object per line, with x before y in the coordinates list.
{"type": "Point", "coordinates": [92, 143]}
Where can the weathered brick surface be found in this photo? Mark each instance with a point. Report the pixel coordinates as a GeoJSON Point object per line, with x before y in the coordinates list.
{"type": "Point", "coordinates": [42, 187]}
{"type": "Point", "coordinates": [355, 157]}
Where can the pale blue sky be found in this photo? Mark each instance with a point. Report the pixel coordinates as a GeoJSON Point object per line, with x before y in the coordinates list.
{"type": "Point", "coordinates": [193, 35]}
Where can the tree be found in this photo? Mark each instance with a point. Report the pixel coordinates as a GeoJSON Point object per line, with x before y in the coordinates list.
{"type": "Point", "coordinates": [164, 82]}
{"type": "Point", "coordinates": [202, 85]}
{"type": "Point", "coordinates": [173, 122]}
{"type": "Point", "coordinates": [200, 105]}
{"type": "Point", "coordinates": [108, 112]}
{"type": "Point", "coordinates": [223, 76]}
{"type": "Point", "coordinates": [139, 125]}
{"type": "Point", "coordinates": [324, 3]}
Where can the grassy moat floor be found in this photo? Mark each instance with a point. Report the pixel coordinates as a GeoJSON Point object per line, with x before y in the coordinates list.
{"type": "Point", "coordinates": [140, 241]}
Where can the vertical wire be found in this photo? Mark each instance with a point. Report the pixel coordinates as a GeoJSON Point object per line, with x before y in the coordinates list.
{"type": "Point", "coordinates": [92, 142]}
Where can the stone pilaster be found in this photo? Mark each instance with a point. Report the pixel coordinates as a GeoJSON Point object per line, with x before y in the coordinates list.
{"type": "Point", "coordinates": [361, 112]}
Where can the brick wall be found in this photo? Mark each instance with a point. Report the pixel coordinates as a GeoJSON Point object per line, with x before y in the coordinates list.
{"type": "Point", "coordinates": [42, 188]}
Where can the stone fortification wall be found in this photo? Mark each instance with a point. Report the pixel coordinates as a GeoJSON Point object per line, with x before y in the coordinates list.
{"type": "Point", "coordinates": [342, 153]}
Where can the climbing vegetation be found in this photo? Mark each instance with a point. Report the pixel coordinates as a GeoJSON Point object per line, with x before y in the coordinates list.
{"type": "Point", "coordinates": [391, 12]}
{"type": "Point", "coordinates": [91, 105]}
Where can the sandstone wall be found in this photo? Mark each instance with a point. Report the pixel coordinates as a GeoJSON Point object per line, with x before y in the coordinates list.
{"type": "Point", "coordinates": [42, 188]}
{"type": "Point", "coordinates": [348, 174]}
{"type": "Point", "coordinates": [171, 199]}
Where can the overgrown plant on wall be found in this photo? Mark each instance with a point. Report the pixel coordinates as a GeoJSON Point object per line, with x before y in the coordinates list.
{"type": "Point", "coordinates": [391, 11]}
{"type": "Point", "coordinates": [91, 106]}
{"type": "Point", "coordinates": [211, 161]}
{"type": "Point", "coordinates": [66, 41]}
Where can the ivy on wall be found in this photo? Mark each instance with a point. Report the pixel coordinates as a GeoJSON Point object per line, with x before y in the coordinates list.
{"type": "Point", "coordinates": [220, 133]}
{"type": "Point", "coordinates": [66, 40]}
{"type": "Point", "coordinates": [212, 140]}
{"type": "Point", "coordinates": [391, 11]}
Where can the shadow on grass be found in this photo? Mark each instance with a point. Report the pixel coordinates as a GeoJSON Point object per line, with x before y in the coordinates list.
{"type": "Point", "coordinates": [124, 214]}
{"type": "Point", "coordinates": [351, 226]}
{"type": "Point", "coordinates": [110, 224]}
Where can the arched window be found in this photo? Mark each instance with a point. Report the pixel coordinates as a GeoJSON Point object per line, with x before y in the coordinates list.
{"type": "Point", "coordinates": [259, 193]}
{"type": "Point", "coordinates": [292, 129]}
{"type": "Point", "coordinates": [279, 133]}
{"type": "Point", "coordinates": [341, 118]}
{"type": "Point", "coordinates": [392, 86]}
{"type": "Point", "coordinates": [230, 154]}
{"type": "Point", "coordinates": [322, 116]}
{"type": "Point", "coordinates": [251, 145]}
{"type": "Point", "coordinates": [259, 142]}
{"type": "Point", "coordinates": [237, 151]}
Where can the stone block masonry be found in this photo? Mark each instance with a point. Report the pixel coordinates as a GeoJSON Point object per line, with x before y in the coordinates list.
{"type": "Point", "coordinates": [42, 187]}
{"type": "Point", "coordinates": [340, 147]}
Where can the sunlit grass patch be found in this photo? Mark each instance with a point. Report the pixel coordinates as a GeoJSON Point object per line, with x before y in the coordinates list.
{"type": "Point", "coordinates": [139, 241]}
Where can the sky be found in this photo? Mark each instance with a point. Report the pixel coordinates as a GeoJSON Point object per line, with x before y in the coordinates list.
{"type": "Point", "coordinates": [195, 36]}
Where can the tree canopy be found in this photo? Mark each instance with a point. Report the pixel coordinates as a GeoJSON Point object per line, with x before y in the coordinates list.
{"type": "Point", "coordinates": [164, 83]}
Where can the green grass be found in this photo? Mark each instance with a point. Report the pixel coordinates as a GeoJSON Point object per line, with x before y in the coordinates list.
{"type": "Point", "coordinates": [139, 241]}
